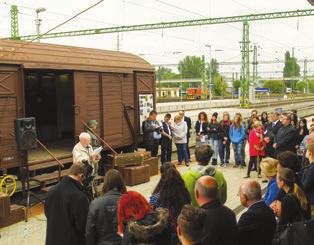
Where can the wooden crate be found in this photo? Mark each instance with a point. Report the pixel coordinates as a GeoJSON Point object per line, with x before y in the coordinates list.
{"type": "Point", "coordinates": [135, 175]}
{"type": "Point", "coordinates": [4, 205]}
{"type": "Point", "coordinates": [17, 214]}
{"type": "Point", "coordinates": [153, 165]}
{"type": "Point", "coordinates": [126, 159]}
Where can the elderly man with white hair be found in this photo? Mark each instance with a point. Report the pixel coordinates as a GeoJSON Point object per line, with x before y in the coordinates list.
{"type": "Point", "coordinates": [84, 151]}
{"type": "Point", "coordinates": [258, 224]}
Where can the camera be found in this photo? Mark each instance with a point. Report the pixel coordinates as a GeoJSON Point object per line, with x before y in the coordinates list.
{"type": "Point", "coordinates": [159, 130]}
{"type": "Point", "coordinates": [88, 179]}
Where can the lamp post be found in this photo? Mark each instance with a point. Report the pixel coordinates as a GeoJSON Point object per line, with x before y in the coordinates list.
{"type": "Point", "coordinates": [38, 21]}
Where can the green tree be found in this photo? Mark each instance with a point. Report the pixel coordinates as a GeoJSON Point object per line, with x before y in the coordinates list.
{"type": "Point", "coordinates": [301, 86]}
{"type": "Point", "coordinates": [236, 85]}
{"type": "Point", "coordinates": [275, 86]}
{"type": "Point", "coordinates": [191, 67]}
{"type": "Point", "coordinates": [291, 69]}
{"type": "Point", "coordinates": [164, 73]}
{"type": "Point", "coordinates": [219, 86]}
{"type": "Point", "coordinates": [214, 67]}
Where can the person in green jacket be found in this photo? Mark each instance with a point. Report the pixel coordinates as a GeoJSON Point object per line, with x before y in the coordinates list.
{"type": "Point", "coordinates": [203, 155]}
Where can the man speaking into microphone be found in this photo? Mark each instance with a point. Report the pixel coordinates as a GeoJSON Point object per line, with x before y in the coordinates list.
{"type": "Point", "coordinates": [84, 151]}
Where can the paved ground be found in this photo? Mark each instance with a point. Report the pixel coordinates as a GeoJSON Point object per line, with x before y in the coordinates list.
{"type": "Point", "coordinates": [33, 233]}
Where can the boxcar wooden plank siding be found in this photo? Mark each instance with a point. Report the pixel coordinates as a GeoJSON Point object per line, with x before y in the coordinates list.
{"type": "Point", "coordinates": [99, 60]}
{"type": "Point", "coordinates": [103, 83]}
{"type": "Point", "coordinates": [10, 109]}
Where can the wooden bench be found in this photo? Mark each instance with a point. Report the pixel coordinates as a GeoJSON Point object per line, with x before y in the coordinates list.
{"type": "Point", "coordinates": [45, 165]}
{"type": "Point", "coordinates": [49, 178]}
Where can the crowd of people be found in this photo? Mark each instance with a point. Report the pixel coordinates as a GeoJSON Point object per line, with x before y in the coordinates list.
{"type": "Point", "coordinates": [188, 208]}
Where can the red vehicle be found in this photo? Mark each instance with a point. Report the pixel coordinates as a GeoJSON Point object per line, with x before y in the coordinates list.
{"type": "Point", "coordinates": [195, 93]}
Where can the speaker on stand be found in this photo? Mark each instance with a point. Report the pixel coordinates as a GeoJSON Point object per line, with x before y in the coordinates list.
{"type": "Point", "coordinates": [26, 139]}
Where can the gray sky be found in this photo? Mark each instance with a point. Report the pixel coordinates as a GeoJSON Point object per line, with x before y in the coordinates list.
{"type": "Point", "coordinates": [273, 36]}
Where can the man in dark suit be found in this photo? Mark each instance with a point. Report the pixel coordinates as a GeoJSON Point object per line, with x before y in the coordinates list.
{"type": "Point", "coordinates": [258, 224]}
{"type": "Point", "coordinates": [276, 124]}
{"type": "Point", "coordinates": [220, 225]}
{"type": "Point", "coordinates": [66, 209]}
{"type": "Point", "coordinates": [189, 124]}
{"type": "Point", "coordinates": [285, 137]}
{"type": "Point", "coordinates": [166, 140]}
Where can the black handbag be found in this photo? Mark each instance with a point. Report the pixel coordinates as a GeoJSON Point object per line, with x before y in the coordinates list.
{"type": "Point", "coordinates": [298, 233]}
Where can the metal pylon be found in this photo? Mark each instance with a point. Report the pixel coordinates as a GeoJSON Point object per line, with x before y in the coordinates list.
{"type": "Point", "coordinates": [14, 22]}
{"type": "Point", "coordinates": [245, 68]}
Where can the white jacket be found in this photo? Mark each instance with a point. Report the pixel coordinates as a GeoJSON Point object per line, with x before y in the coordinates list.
{"type": "Point", "coordinates": [81, 153]}
{"type": "Point", "coordinates": [180, 133]}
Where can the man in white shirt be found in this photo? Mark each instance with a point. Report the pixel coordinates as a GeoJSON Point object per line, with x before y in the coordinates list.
{"type": "Point", "coordinates": [84, 151]}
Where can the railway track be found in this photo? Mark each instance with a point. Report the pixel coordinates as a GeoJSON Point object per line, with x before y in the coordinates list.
{"type": "Point", "coordinates": [265, 105]}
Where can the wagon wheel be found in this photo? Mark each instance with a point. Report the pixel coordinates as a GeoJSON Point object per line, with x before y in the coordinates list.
{"type": "Point", "coordinates": [8, 185]}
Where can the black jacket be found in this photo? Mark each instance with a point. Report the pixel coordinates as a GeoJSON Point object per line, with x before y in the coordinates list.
{"type": "Point", "coordinates": [102, 223]}
{"type": "Point", "coordinates": [198, 127]}
{"type": "Point", "coordinates": [153, 229]}
{"type": "Point", "coordinates": [166, 130]}
{"type": "Point", "coordinates": [276, 127]}
{"type": "Point", "coordinates": [257, 225]}
{"type": "Point", "coordinates": [213, 130]}
{"type": "Point", "coordinates": [220, 227]}
{"type": "Point", "coordinates": [285, 139]}
{"type": "Point", "coordinates": [189, 124]}
{"type": "Point", "coordinates": [224, 131]}
{"type": "Point", "coordinates": [148, 133]}
{"type": "Point", "coordinates": [66, 209]}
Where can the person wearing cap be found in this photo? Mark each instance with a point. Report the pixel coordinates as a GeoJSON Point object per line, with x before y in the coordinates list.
{"type": "Point", "coordinates": [213, 130]}
{"type": "Point", "coordinates": [92, 126]}
{"type": "Point", "coordinates": [269, 170]}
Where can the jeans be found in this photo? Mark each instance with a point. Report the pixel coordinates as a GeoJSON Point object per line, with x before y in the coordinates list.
{"type": "Point", "coordinates": [224, 151]}
{"type": "Point", "coordinates": [254, 162]}
{"type": "Point", "coordinates": [238, 158]}
{"type": "Point", "coordinates": [182, 153]}
{"type": "Point", "coordinates": [214, 145]}
{"type": "Point", "coordinates": [166, 150]}
{"type": "Point", "coordinates": [243, 151]}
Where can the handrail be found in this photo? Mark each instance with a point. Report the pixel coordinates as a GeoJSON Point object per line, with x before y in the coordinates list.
{"type": "Point", "coordinates": [50, 153]}
{"type": "Point", "coordinates": [98, 137]}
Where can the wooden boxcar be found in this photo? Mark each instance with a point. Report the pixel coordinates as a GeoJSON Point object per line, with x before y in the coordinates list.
{"type": "Point", "coordinates": [64, 85]}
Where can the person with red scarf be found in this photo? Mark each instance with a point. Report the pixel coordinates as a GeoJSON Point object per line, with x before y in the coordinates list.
{"type": "Point", "coordinates": [138, 223]}
{"type": "Point", "coordinates": [256, 148]}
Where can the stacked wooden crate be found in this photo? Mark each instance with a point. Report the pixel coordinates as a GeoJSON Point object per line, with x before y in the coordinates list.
{"type": "Point", "coordinates": [136, 167]}
{"type": "Point", "coordinates": [10, 214]}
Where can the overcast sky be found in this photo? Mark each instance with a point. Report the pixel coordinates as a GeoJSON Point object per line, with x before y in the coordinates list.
{"type": "Point", "coordinates": [169, 46]}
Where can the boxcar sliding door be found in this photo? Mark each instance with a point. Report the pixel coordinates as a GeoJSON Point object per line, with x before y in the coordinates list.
{"type": "Point", "coordinates": [87, 100]}
{"type": "Point", "coordinates": [11, 107]}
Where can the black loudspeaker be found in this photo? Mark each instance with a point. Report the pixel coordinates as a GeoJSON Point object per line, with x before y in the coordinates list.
{"type": "Point", "coordinates": [25, 133]}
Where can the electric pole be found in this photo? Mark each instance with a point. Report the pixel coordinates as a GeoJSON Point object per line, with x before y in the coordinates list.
{"type": "Point", "coordinates": [305, 76]}
{"type": "Point", "coordinates": [14, 23]}
{"type": "Point", "coordinates": [203, 77]}
{"type": "Point", "coordinates": [38, 22]}
{"type": "Point", "coordinates": [245, 68]}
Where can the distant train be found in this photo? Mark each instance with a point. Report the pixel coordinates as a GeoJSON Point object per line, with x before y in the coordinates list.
{"type": "Point", "coordinates": [196, 93]}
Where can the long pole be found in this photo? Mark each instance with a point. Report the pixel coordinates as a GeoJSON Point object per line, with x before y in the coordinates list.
{"type": "Point", "coordinates": [210, 74]}
{"type": "Point", "coordinates": [37, 23]}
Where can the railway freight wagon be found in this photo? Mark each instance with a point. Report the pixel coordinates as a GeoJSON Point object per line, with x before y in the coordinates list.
{"type": "Point", "coordinates": [61, 86]}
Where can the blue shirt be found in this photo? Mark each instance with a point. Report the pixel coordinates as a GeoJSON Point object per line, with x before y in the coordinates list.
{"type": "Point", "coordinates": [271, 191]}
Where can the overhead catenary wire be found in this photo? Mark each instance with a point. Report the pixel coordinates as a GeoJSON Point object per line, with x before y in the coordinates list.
{"type": "Point", "coordinates": [54, 28]}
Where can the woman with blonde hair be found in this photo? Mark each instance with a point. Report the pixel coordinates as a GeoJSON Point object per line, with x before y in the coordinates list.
{"type": "Point", "coordinates": [269, 170]}
{"type": "Point", "coordinates": [180, 131]}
